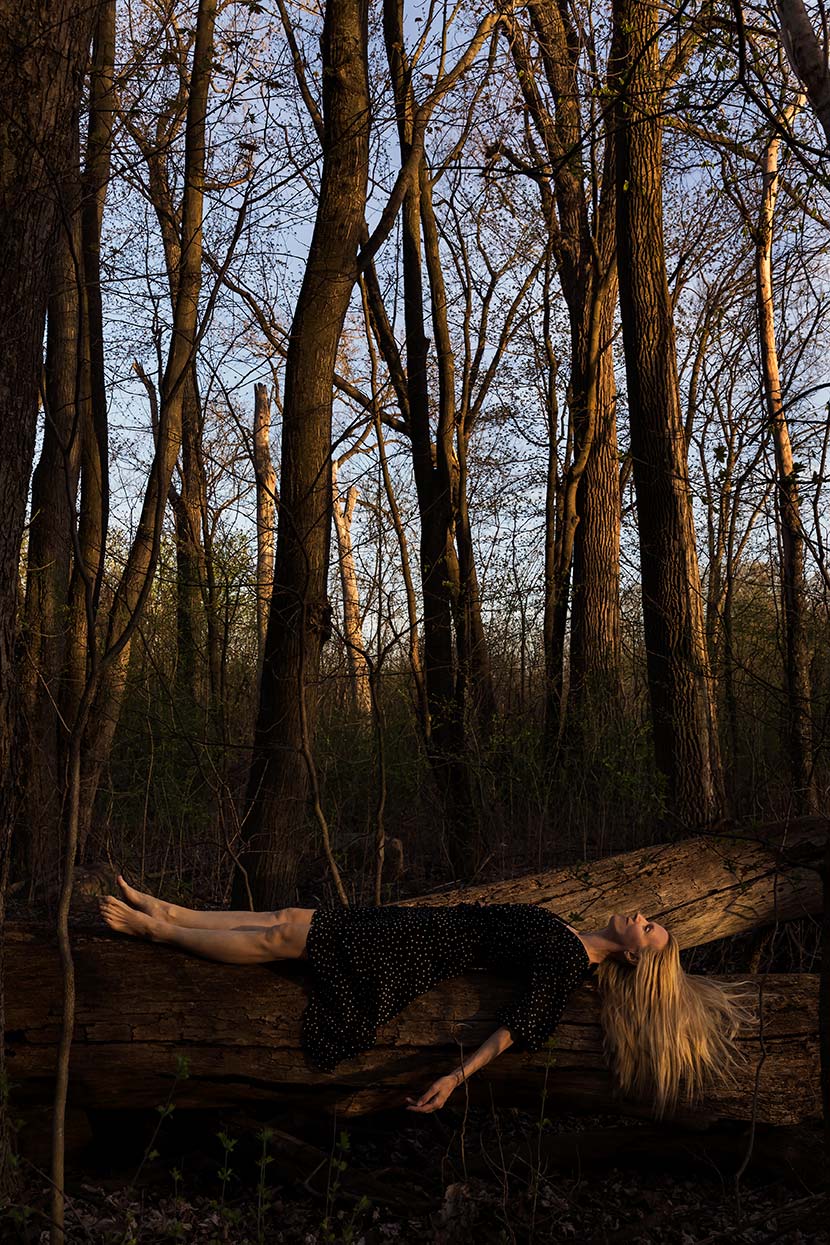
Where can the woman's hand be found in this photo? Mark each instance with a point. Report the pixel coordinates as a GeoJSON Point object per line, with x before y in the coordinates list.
{"type": "Point", "coordinates": [436, 1095]}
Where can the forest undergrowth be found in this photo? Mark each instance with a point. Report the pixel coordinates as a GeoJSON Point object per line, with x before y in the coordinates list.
{"type": "Point", "coordinates": [450, 1179]}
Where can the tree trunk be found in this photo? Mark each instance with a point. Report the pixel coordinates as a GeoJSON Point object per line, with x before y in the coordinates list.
{"type": "Point", "coordinates": [299, 620]}
{"type": "Point", "coordinates": [557, 582]}
{"type": "Point", "coordinates": [808, 57]}
{"type": "Point", "coordinates": [93, 518]}
{"type": "Point", "coordinates": [49, 553]}
{"type": "Point", "coordinates": [594, 689]}
{"type": "Point", "coordinates": [773, 870]}
{"type": "Point", "coordinates": [586, 550]}
{"type": "Point", "coordinates": [416, 665]}
{"type": "Point", "coordinates": [797, 664]}
{"type": "Point", "coordinates": [474, 651]}
{"type": "Point", "coordinates": [266, 496]}
{"type": "Point", "coordinates": [436, 477]}
{"type": "Point", "coordinates": [361, 695]}
{"type": "Point", "coordinates": [195, 680]}
{"type": "Point", "coordinates": [192, 676]}
{"type": "Point", "coordinates": [43, 49]}
{"type": "Point", "coordinates": [682, 703]}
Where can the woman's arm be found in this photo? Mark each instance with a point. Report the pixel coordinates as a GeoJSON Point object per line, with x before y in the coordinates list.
{"type": "Point", "coordinates": [440, 1090]}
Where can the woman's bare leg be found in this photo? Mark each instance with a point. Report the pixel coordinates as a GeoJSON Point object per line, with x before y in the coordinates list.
{"type": "Point", "coordinates": [248, 945]}
{"type": "Point", "coordinates": [192, 918]}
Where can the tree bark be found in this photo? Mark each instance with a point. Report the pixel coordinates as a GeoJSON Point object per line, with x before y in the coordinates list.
{"type": "Point", "coordinates": [739, 879]}
{"type": "Point", "coordinates": [277, 833]}
{"type": "Point", "coordinates": [584, 248]}
{"type": "Point", "coordinates": [49, 553]}
{"type": "Point", "coordinates": [680, 686]}
{"type": "Point", "coordinates": [136, 579]}
{"type": "Point", "coordinates": [189, 510]}
{"type": "Point", "coordinates": [435, 468]}
{"type": "Point", "coordinates": [352, 632]}
{"type": "Point", "coordinates": [194, 675]}
{"type": "Point", "coordinates": [140, 1007]}
{"type": "Point", "coordinates": [266, 497]}
{"type": "Point", "coordinates": [797, 659]}
{"type": "Point", "coordinates": [93, 518]}
{"type": "Point", "coordinates": [43, 49]}
{"type": "Point", "coordinates": [808, 57]}
{"type": "Point", "coordinates": [415, 662]}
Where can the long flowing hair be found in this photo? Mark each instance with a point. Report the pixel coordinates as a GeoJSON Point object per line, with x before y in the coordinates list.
{"type": "Point", "coordinates": [665, 1031]}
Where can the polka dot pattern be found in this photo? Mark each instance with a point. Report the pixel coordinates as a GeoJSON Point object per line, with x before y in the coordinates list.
{"type": "Point", "coordinates": [368, 963]}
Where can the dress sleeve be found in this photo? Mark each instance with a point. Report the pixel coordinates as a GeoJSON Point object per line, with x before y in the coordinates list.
{"type": "Point", "coordinates": [533, 1017]}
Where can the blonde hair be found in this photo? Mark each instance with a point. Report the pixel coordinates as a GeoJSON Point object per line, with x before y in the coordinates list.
{"type": "Point", "coordinates": [663, 1029]}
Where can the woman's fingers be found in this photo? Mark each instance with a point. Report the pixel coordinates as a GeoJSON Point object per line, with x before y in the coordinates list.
{"type": "Point", "coordinates": [432, 1100]}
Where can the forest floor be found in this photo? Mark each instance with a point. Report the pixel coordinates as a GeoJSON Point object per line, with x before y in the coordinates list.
{"type": "Point", "coordinates": [445, 1178]}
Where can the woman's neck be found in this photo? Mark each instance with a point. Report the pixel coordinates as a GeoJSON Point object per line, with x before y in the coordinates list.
{"type": "Point", "coordinates": [598, 944]}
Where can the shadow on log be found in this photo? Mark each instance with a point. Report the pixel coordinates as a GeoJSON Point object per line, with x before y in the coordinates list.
{"type": "Point", "coordinates": [142, 1006]}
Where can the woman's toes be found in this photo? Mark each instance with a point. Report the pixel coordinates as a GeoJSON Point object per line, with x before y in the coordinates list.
{"type": "Point", "coordinates": [144, 903]}
{"type": "Point", "coordinates": [120, 916]}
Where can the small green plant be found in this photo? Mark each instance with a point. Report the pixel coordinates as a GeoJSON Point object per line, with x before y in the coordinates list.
{"type": "Point", "coordinates": [338, 1228]}
{"type": "Point", "coordinates": [225, 1171]}
{"type": "Point", "coordinates": [164, 1110]}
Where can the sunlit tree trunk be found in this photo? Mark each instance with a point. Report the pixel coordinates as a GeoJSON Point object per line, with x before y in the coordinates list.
{"type": "Point", "coordinates": [682, 703]}
{"type": "Point", "coordinates": [594, 691]}
{"type": "Point", "coordinates": [343, 509]}
{"type": "Point", "coordinates": [266, 493]}
{"type": "Point", "coordinates": [299, 622]}
{"type": "Point", "coordinates": [189, 506]}
{"type": "Point", "coordinates": [797, 663]}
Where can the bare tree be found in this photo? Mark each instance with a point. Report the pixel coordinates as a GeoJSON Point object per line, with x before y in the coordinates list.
{"type": "Point", "coordinates": [682, 697]}
{"type": "Point", "coordinates": [793, 587]}
{"type": "Point", "coordinates": [577, 192]}
{"type": "Point", "coordinates": [299, 621]}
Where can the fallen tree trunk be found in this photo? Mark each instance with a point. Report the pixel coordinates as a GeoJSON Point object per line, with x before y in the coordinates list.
{"type": "Point", "coordinates": [703, 888]}
{"type": "Point", "coordinates": [140, 1007]}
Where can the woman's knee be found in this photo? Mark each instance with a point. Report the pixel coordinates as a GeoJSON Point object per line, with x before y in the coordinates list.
{"type": "Point", "coordinates": [286, 941]}
{"type": "Point", "coordinates": [289, 916]}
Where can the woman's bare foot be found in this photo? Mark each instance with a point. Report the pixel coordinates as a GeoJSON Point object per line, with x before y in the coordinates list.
{"type": "Point", "coordinates": [126, 920]}
{"type": "Point", "coordinates": [144, 903]}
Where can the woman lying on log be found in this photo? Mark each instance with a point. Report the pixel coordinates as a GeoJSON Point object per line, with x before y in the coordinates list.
{"type": "Point", "coordinates": [661, 1027]}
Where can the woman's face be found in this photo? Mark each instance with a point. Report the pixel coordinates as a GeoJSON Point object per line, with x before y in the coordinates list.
{"type": "Point", "coordinates": [636, 932]}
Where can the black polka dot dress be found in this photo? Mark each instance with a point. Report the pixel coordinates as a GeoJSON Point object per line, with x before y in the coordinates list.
{"type": "Point", "coordinates": [368, 963]}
